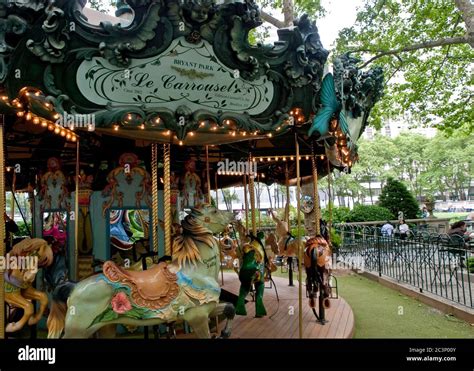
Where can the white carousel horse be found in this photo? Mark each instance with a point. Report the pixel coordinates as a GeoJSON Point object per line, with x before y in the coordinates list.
{"type": "Point", "coordinates": [187, 289]}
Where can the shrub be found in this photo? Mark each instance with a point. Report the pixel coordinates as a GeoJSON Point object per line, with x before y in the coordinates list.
{"type": "Point", "coordinates": [396, 197]}
{"type": "Point", "coordinates": [336, 240]}
{"type": "Point", "coordinates": [22, 229]}
{"type": "Point", "coordinates": [294, 231]}
{"type": "Point", "coordinates": [470, 264]}
{"type": "Point", "coordinates": [369, 213]}
{"type": "Point", "coordinates": [339, 214]}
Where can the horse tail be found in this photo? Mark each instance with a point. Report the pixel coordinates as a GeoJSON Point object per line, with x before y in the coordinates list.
{"type": "Point", "coordinates": [57, 314]}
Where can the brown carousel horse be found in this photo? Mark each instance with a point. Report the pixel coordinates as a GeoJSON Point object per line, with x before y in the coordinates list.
{"type": "Point", "coordinates": [288, 245]}
{"type": "Point", "coordinates": [317, 263]}
{"type": "Point", "coordinates": [28, 255]}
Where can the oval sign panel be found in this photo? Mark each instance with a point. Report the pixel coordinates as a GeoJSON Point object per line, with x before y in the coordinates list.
{"type": "Point", "coordinates": [185, 74]}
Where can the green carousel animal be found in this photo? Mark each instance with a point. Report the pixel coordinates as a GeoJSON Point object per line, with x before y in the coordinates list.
{"type": "Point", "coordinates": [187, 289]}
{"type": "Point", "coordinates": [252, 272]}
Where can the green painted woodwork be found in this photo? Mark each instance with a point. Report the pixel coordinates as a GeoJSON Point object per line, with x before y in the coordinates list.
{"type": "Point", "coordinates": [43, 45]}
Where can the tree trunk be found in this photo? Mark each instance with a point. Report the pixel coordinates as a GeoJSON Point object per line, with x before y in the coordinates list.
{"type": "Point", "coordinates": [269, 197]}
{"type": "Point", "coordinates": [370, 193]}
{"type": "Point", "coordinates": [288, 13]}
{"type": "Point", "coordinates": [467, 11]}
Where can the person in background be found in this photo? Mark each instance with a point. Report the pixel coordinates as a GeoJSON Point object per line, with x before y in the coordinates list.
{"type": "Point", "coordinates": [10, 227]}
{"type": "Point", "coordinates": [403, 229]}
{"type": "Point", "coordinates": [460, 237]}
{"type": "Point", "coordinates": [425, 213]}
{"type": "Point", "coordinates": [387, 229]}
{"type": "Point", "coordinates": [460, 229]}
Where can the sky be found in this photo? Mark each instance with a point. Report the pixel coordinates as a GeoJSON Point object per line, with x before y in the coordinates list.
{"type": "Point", "coordinates": [339, 14]}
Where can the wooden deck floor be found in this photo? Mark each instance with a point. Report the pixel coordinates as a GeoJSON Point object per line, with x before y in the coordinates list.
{"type": "Point", "coordinates": [284, 322]}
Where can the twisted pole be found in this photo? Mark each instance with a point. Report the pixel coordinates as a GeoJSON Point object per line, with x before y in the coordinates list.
{"type": "Point", "coordinates": [208, 173]}
{"type": "Point", "coordinates": [76, 213]}
{"type": "Point", "coordinates": [167, 196]}
{"type": "Point", "coordinates": [329, 195]}
{"type": "Point", "coordinates": [317, 210]}
{"type": "Point", "coordinates": [2, 229]}
{"type": "Point", "coordinates": [154, 196]}
{"type": "Point", "coordinates": [252, 200]}
{"type": "Point", "coordinates": [300, 251]}
{"type": "Point", "coordinates": [246, 203]}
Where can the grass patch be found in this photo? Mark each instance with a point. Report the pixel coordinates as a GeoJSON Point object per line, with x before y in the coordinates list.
{"type": "Point", "coordinates": [376, 310]}
{"type": "Point", "coordinates": [451, 216]}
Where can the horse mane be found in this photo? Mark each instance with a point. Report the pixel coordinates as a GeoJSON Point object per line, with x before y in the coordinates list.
{"type": "Point", "coordinates": [185, 248]}
{"type": "Point", "coordinates": [27, 246]}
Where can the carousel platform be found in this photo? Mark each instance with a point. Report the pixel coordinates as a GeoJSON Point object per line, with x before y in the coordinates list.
{"type": "Point", "coordinates": [284, 322]}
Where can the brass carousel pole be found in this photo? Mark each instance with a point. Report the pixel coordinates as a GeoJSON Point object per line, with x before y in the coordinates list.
{"type": "Point", "coordinates": [329, 195]}
{"type": "Point", "coordinates": [287, 206]}
{"type": "Point", "coordinates": [76, 212]}
{"type": "Point", "coordinates": [258, 200]}
{"type": "Point", "coordinates": [217, 207]}
{"type": "Point", "coordinates": [154, 193]}
{"type": "Point", "coordinates": [300, 251]}
{"type": "Point", "coordinates": [2, 229]}
{"type": "Point", "coordinates": [167, 197]}
{"type": "Point", "coordinates": [317, 210]}
{"type": "Point", "coordinates": [12, 200]}
{"type": "Point", "coordinates": [246, 201]}
{"type": "Point", "coordinates": [252, 201]}
{"type": "Point", "coordinates": [12, 205]}
{"type": "Point", "coordinates": [208, 173]}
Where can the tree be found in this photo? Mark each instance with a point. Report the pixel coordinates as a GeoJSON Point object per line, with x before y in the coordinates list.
{"type": "Point", "coordinates": [426, 49]}
{"type": "Point", "coordinates": [229, 197]}
{"type": "Point", "coordinates": [410, 161]}
{"type": "Point", "coordinates": [449, 166]}
{"type": "Point", "coordinates": [396, 197]}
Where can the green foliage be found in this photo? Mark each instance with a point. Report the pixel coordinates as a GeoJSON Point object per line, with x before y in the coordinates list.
{"type": "Point", "coordinates": [339, 214]}
{"type": "Point", "coordinates": [22, 229]}
{"type": "Point", "coordinates": [396, 197]}
{"type": "Point", "coordinates": [294, 231]}
{"type": "Point", "coordinates": [428, 85]}
{"type": "Point", "coordinates": [448, 164]}
{"type": "Point", "coordinates": [428, 166]}
{"type": "Point", "coordinates": [369, 213]}
{"type": "Point", "coordinates": [336, 239]}
{"type": "Point", "coordinates": [470, 264]}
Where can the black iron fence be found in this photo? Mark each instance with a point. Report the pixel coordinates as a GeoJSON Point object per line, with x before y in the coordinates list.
{"type": "Point", "coordinates": [432, 262]}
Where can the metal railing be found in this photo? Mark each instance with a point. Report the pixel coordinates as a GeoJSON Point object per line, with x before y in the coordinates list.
{"type": "Point", "coordinates": [432, 262]}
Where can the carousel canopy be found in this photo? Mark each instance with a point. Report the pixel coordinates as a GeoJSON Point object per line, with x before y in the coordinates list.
{"type": "Point", "coordinates": [176, 72]}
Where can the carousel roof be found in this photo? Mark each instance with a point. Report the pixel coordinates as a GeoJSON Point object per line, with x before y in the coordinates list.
{"type": "Point", "coordinates": [183, 74]}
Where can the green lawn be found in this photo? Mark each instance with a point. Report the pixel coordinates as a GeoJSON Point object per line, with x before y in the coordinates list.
{"type": "Point", "coordinates": [451, 216]}
{"type": "Point", "coordinates": [381, 312]}
{"type": "Point", "coordinates": [376, 312]}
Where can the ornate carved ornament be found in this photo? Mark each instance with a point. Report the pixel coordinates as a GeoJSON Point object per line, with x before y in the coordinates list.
{"type": "Point", "coordinates": [181, 71]}
{"type": "Point", "coordinates": [125, 174]}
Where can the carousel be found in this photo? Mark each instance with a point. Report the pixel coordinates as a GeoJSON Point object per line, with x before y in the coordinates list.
{"type": "Point", "coordinates": [121, 131]}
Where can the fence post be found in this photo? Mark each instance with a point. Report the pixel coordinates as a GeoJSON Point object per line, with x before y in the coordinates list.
{"type": "Point", "coordinates": [379, 254]}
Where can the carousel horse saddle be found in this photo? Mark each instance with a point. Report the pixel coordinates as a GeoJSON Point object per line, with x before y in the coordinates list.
{"type": "Point", "coordinates": [153, 288]}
